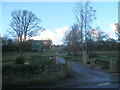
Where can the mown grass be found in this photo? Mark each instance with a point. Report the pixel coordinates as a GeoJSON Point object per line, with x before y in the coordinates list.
{"type": "Point", "coordinates": [78, 58]}
{"type": "Point", "coordinates": [101, 55]}
{"type": "Point", "coordinates": [30, 57]}
{"type": "Point", "coordinates": [9, 57]}
{"type": "Point", "coordinates": [103, 58]}
{"type": "Point", "coordinates": [106, 55]}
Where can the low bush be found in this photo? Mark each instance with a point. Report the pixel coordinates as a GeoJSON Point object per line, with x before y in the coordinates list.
{"type": "Point", "coordinates": [19, 60]}
{"type": "Point", "coordinates": [93, 55]}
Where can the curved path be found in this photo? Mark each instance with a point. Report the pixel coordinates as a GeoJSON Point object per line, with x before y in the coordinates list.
{"type": "Point", "coordinates": [85, 77]}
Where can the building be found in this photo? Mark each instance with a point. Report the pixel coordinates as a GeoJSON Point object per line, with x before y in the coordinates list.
{"type": "Point", "coordinates": [57, 47]}
{"type": "Point", "coordinates": [36, 45]}
{"type": "Point", "coordinates": [41, 45]}
{"type": "Point", "coordinates": [46, 44]}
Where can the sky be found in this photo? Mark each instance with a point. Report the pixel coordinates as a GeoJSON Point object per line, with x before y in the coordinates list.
{"type": "Point", "coordinates": [58, 17]}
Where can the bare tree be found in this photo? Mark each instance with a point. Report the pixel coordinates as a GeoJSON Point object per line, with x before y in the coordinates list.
{"type": "Point", "coordinates": [97, 34]}
{"type": "Point", "coordinates": [75, 39]}
{"type": "Point", "coordinates": [98, 37]}
{"type": "Point", "coordinates": [118, 30]}
{"type": "Point", "coordinates": [67, 41]}
{"type": "Point", "coordinates": [79, 13]}
{"type": "Point", "coordinates": [24, 24]}
{"type": "Point", "coordinates": [85, 14]}
{"type": "Point", "coordinates": [72, 39]}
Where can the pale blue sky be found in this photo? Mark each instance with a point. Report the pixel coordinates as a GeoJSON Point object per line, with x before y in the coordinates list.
{"type": "Point", "coordinates": [55, 15]}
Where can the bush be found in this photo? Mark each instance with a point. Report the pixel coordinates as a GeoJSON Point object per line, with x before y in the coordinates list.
{"type": "Point", "coordinates": [19, 60]}
{"type": "Point", "coordinates": [93, 55]}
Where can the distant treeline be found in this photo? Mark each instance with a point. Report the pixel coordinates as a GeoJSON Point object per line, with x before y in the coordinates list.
{"type": "Point", "coordinates": [103, 45]}
{"type": "Point", "coordinates": [9, 45]}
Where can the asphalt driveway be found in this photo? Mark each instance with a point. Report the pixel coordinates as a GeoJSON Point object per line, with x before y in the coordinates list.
{"type": "Point", "coordinates": [84, 77]}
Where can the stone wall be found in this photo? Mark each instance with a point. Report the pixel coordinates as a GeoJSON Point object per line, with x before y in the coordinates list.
{"type": "Point", "coordinates": [103, 64]}
{"type": "Point", "coordinates": [23, 74]}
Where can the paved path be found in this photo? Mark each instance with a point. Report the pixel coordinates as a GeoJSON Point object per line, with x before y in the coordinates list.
{"type": "Point", "coordinates": [60, 60]}
{"type": "Point", "coordinates": [85, 77]}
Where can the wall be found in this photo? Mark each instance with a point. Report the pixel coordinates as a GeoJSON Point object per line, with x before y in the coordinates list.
{"type": "Point", "coordinates": [24, 74]}
{"type": "Point", "coordinates": [55, 48]}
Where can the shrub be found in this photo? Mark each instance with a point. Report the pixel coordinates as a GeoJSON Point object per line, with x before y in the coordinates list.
{"type": "Point", "coordinates": [19, 60]}
{"type": "Point", "coordinates": [88, 62]}
{"type": "Point", "coordinates": [93, 55]}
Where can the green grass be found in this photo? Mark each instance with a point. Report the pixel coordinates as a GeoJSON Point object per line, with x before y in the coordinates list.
{"type": "Point", "coordinates": [102, 55]}
{"type": "Point", "coordinates": [103, 58]}
{"type": "Point", "coordinates": [39, 60]}
{"type": "Point", "coordinates": [79, 58]}
{"type": "Point", "coordinates": [106, 55]}
{"type": "Point", "coordinates": [10, 57]}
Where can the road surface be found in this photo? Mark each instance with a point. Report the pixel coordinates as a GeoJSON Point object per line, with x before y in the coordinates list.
{"type": "Point", "coordinates": [85, 77]}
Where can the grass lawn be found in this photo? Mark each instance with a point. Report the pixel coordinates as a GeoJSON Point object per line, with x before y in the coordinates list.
{"type": "Point", "coordinates": [106, 55]}
{"type": "Point", "coordinates": [78, 58]}
{"type": "Point", "coordinates": [104, 58]}
{"type": "Point", "coordinates": [102, 55]}
{"type": "Point", "coordinates": [10, 57]}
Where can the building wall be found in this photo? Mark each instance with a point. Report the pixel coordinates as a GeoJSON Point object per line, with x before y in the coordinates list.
{"type": "Point", "coordinates": [36, 45]}
{"type": "Point", "coordinates": [57, 48]}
